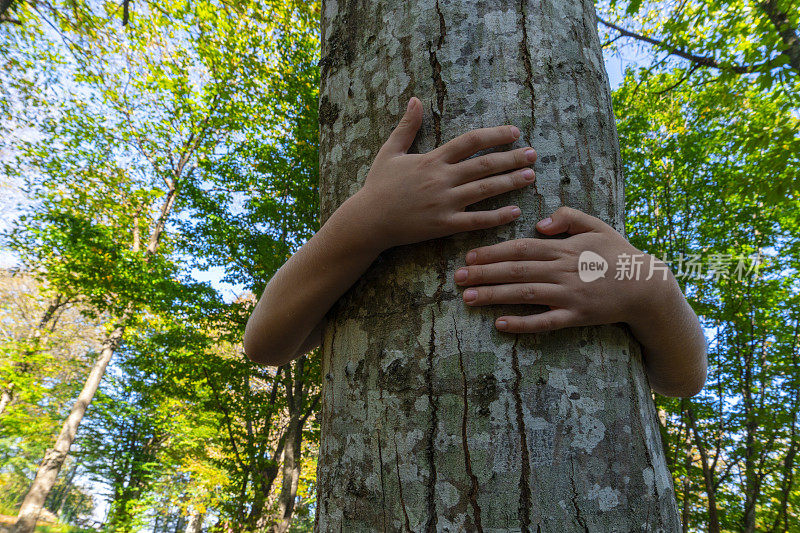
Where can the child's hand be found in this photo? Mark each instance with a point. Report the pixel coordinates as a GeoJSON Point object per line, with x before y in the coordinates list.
{"type": "Point", "coordinates": [545, 272]}
{"type": "Point", "coordinates": [416, 197]}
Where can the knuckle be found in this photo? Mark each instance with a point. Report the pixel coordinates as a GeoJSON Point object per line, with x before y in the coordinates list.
{"type": "Point", "coordinates": [570, 264]}
{"type": "Point", "coordinates": [570, 252]}
{"type": "Point", "coordinates": [528, 293]}
{"type": "Point", "coordinates": [485, 188]}
{"type": "Point", "coordinates": [518, 270]}
{"type": "Point", "coordinates": [547, 322]}
{"type": "Point", "coordinates": [485, 164]}
{"type": "Point", "coordinates": [564, 211]}
{"type": "Point", "coordinates": [521, 248]}
{"type": "Point", "coordinates": [445, 224]}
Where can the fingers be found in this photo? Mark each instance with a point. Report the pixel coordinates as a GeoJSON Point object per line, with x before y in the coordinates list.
{"type": "Point", "coordinates": [515, 293]}
{"type": "Point", "coordinates": [493, 163]}
{"type": "Point", "coordinates": [476, 191]}
{"type": "Point", "coordinates": [569, 220]}
{"type": "Point", "coordinates": [473, 141]}
{"type": "Point", "coordinates": [508, 272]}
{"type": "Point", "coordinates": [516, 250]}
{"type": "Point", "coordinates": [403, 135]}
{"type": "Point", "coordinates": [474, 220]}
{"type": "Point", "coordinates": [547, 321]}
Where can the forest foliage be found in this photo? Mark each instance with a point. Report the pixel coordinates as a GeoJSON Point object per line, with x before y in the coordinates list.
{"type": "Point", "coordinates": [151, 142]}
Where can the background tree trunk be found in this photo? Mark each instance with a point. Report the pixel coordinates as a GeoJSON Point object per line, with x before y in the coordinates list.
{"type": "Point", "coordinates": [54, 458]}
{"type": "Point", "coordinates": [432, 420]}
{"type": "Point", "coordinates": [195, 523]}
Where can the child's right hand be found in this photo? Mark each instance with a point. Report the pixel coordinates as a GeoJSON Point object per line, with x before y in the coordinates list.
{"type": "Point", "coordinates": [416, 197]}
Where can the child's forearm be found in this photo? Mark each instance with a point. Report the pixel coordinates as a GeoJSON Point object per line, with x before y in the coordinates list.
{"type": "Point", "coordinates": [288, 316]}
{"type": "Point", "coordinates": [674, 347]}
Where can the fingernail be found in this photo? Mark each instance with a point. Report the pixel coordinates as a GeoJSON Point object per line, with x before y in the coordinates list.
{"type": "Point", "coordinates": [461, 274]}
{"type": "Point", "coordinates": [501, 324]}
{"type": "Point", "coordinates": [471, 257]}
{"type": "Point", "coordinates": [546, 222]}
{"type": "Point", "coordinates": [515, 132]}
{"type": "Point", "coordinates": [527, 174]}
{"type": "Point", "coordinates": [410, 103]}
{"type": "Point", "coordinates": [530, 155]}
{"type": "Point", "coordinates": [516, 211]}
{"type": "Point", "coordinates": [470, 295]}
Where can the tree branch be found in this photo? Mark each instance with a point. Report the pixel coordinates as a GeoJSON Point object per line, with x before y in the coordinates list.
{"type": "Point", "coordinates": [703, 61]}
{"type": "Point", "coordinates": [788, 34]}
{"type": "Point", "coordinates": [125, 11]}
{"type": "Point", "coordinates": [5, 5]}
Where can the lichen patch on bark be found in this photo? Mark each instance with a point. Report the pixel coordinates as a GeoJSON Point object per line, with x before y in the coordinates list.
{"type": "Point", "coordinates": [433, 420]}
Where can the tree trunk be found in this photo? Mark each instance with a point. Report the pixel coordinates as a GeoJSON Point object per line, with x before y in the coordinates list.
{"type": "Point", "coordinates": [291, 473]}
{"type": "Point", "coordinates": [195, 523]}
{"type": "Point", "coordinates": [708, 475]}
{"type": "Point", "coordinates": [54, 457]}
{"type": "Point", "coordinates": [687, 483]}
{"type": "Point", "coordinates": [5, 5]}
{"type": "Point", "coordinates": [6, 397]}
{"type": "Point", "coordinates": [431, 419]}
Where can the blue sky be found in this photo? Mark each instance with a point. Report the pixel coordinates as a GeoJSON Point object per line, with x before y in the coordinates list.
{"type": "Point", "coordinates": [11, 196]}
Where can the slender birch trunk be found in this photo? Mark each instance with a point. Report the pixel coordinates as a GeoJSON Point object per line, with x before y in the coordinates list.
{"type": "Point", "coordinates": [6, 397]}
{"type": "Point", "coordinates": [708, 474]}
{"type": "Point", "coordinates": [290, 470]}
{"type": "Point", "coordinates": [431, 419]}
{"type": "Point", "coordinates": [195, 523]}
{"type": "Point", "coordinates": [54, 457]}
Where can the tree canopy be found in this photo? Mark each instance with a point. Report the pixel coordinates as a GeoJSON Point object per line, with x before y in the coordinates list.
{"type": "Point", "coordinates": [156, 141]}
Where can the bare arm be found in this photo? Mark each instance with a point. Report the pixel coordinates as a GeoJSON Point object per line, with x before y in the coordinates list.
{"type": "Point", "coordinates": [307, 285]}
{"type": "Point", "coordinates": [674, 346]}
{"type": "Point", "coordinates": [406, 198]}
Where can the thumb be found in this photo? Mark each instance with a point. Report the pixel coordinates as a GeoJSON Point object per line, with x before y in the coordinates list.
{"type": "Point", "coordinates": [569, 220]}
{"type": "Point", "coordinates": [403, 135]}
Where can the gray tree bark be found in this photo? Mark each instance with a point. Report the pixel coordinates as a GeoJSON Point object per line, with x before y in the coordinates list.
{"type": "Point", "coordinates": [431, 419]}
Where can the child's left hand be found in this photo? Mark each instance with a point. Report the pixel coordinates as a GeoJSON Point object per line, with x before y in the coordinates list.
{"type": "Point", "coordinates": [545, 272]}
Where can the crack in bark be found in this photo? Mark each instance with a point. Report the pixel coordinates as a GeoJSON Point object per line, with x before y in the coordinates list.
{"type": "Point", "coordinates": [396, 462]}
{"type": "Point", "coordinates": [400, 484]}
{"type": "Point", "coordinates": [473, 491]}
{"type": "Point", "coordinates": [587, 174]}
{"type": "Point", "coordinates": [432, 518]}
{"type": "Point", "coordinates": [441, 89]}
{"type": "Point", "coordinates": [383, 487]}
{"type": "Point", "coordinates": [526, 60]}
{"type": "Point", "coordinates": [524, 484]}
{"type": "Point", "coordinates": [329, 376]}
{"type": "Point", "coordinates": [581, 521]}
